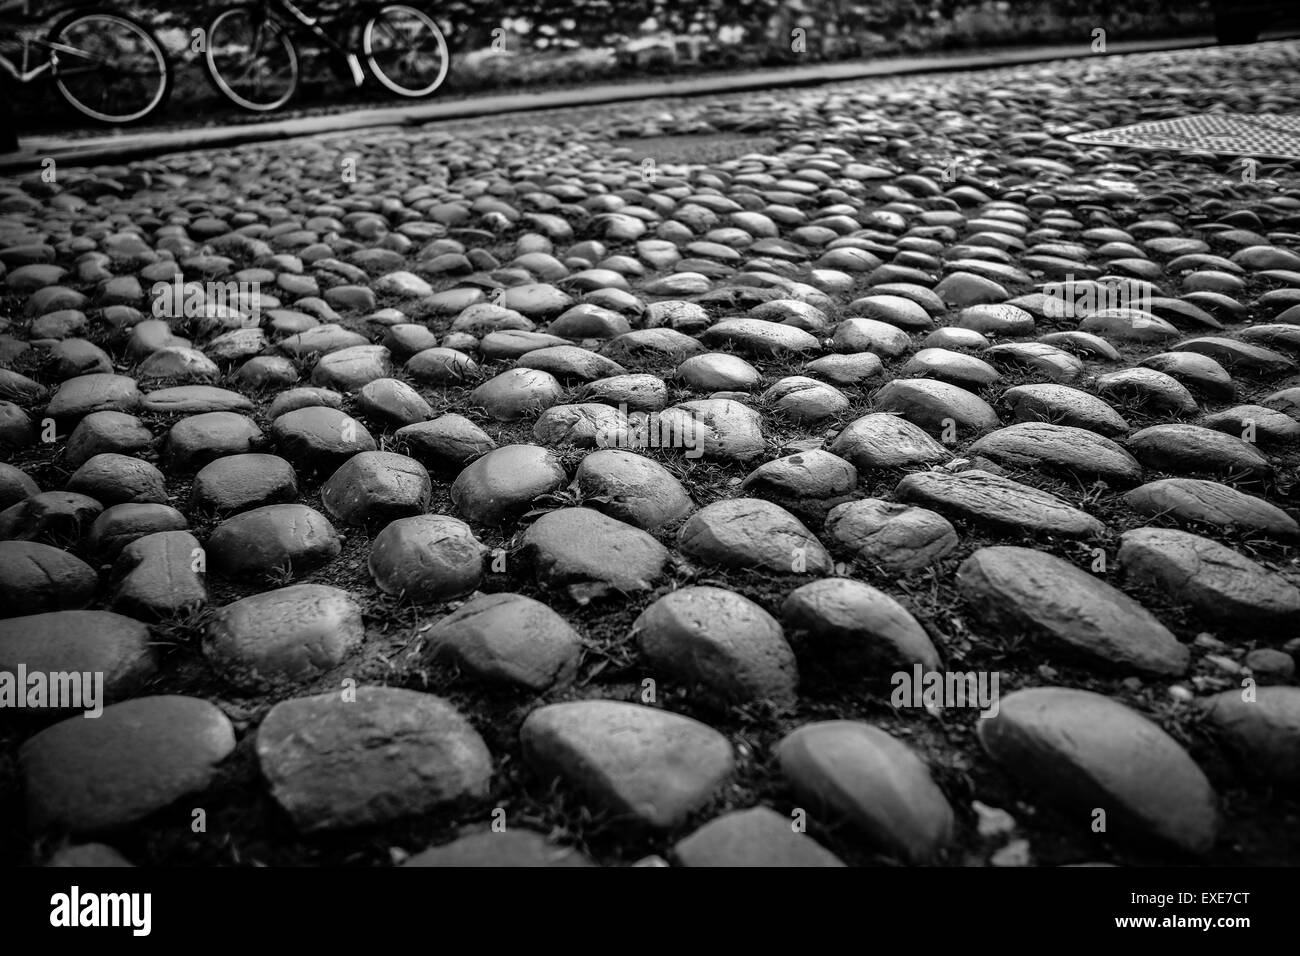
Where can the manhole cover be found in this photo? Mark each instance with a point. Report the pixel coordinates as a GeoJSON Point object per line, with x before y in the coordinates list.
{"type": "Point", "coordinates": [1233, 134]}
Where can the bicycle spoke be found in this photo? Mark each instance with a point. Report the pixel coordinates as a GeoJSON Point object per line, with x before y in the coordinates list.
{"type": "Point", "coordinates": [407, 51]}
{"type": "Point", "coordinates": [252, 63]}
{"type": "Point", "coordinates": [109, 67]}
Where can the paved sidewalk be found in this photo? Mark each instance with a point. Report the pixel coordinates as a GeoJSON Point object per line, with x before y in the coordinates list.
{"type": "Point", "coordinates": [124, 145]}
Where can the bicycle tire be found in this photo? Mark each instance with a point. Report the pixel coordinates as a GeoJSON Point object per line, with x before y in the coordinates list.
{"type": "Point", "coordinates": [224, 85]}
{"type": "Point", "coordinates": [158, 98]}
{"type": "Point", "coordinates": [368, 50]}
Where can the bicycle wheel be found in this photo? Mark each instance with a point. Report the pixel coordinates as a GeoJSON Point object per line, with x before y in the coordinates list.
{"type": "Point", "coordinates": [251, 59]}
{"type": "Point", "coordinates": [405, 50]}
{"type": "Point", "coordinates": [109, 67]}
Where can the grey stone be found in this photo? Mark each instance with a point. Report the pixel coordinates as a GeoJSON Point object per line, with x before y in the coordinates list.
{"type": "Point", "coordinates": [199, 439]}
{"type": "Point", "coordinates": [591, 555]}
{"type": "Point", "coordinates": [449, 441]}
{"type": "Point", "coordinates": [1063, 405]}
{"type": "Point", "coordinates": [387, 755]}
{"type": "Point", "coordinates": [427, 558]}
{"type": "Point", "coordinates": [881, 440]}
{"type": "Point", "coordinates": [376, 486]}
{"type": "Point", "coordinates": [240, 482]}
{"type": "Point", "coordinates": [102, 432]}
{"type": "Point", "coordinates": [1195, 499]}
{"type": "Point", "coordinates": [1191, 448]}
{"type": "Point", "coordinates": [118, 479]}
{"type": "Point", "coordinates": [1263, 733]}
{"type": "Point", "coordinates": [510, 848]}
{"type": "Point", "coordinates": [319, 437]}
{"type": "Point", "coordinates": [856, 772]}
{"type": "Point", "coordinates": [752, 533]}
{"type": "Point", "coordinates": [281, 637]}
{"type": "Point", "coordinates": [138, 757]}
{"type": "Point", "coordinates": [502, 484]}
{"type": "Point", "coordinates": [757, 837]}
{"type": "Point", "coordinates": [81, 642]}
{"type": "Point", "coordinates": [1059, 448]}
{"type": "Point", "coordinates": [631, 488]}
{"type": "Point", "coordinates": [272, 540]}
{"type": "Point", "coordinates": [1082, 751]}
{"type": "Point", "coordinates": [517, 393]}
{"type": "Point", "coordinates": [852, 627]}
{"type": "Point", "coordinates": [37, 577]}
{"type": "Point", "coordinates": [159, 576]}
{"type": "Point", "coordinates": [990, 499]}
{"type": "Point", "coordinates": [640, 762]}
{"type": "Point", "coordinates": [718, 639]}
{"type": "Point", "coordinates": [1220, 584]}
{"type": "Point", "coordinates": [511, 639]}
{"type": "Point", "coordinates": [1077, 612]}
{"type": "Point", "coordinates": [896, 537]}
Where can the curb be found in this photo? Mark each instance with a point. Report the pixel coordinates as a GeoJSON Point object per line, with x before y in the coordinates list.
{"type": "Point", "coordinates": [124, 147]}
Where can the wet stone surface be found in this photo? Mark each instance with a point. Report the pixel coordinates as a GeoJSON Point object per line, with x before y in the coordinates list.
{"type": "Point", "coordinates": [644, 509]}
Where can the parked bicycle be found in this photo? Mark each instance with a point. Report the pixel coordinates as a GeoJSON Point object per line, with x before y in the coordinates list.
{"type": "Point", "coordinates": [107, 65]}
{"type": "Point", "coordinates": [253, 60]}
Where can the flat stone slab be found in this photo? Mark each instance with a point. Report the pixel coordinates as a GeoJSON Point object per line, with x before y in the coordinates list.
{"type": "Point", "coordinates": [1063, 405]}
{"type": "Point", "coordinates": [1059, 448]}
{"type": "Point", "coordinates": [1183, 448]}
{"type": "Point", "coordinates": [1079, 613]}
{"type": "Point", "coordinates": [991, 499]}
{"type": "Point", "coordinates": [1208, 502]}
{"type": "Point", "coordinates": [1222, 585]}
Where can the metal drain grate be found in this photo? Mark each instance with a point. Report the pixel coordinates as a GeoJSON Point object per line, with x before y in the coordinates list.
{"type": "Point", "coordinates": [1233, 134]}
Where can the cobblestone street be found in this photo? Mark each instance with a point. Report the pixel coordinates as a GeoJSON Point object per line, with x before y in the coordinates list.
{"type": "Point", "coordinates": [858, 474]}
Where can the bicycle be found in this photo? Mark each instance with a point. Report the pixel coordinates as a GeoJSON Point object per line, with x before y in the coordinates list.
{"type": "Point", "coordinates": [252, 60]}
{"type": "Point", "coordinates": [107, 65]}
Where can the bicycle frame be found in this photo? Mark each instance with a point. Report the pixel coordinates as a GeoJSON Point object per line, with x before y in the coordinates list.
{"type": "Point", "coordinates": [290, 13]}
{"type": "Point", "coordinates": [23, 74]}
